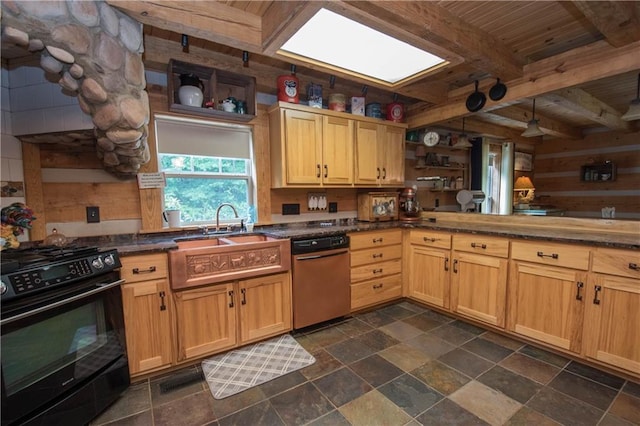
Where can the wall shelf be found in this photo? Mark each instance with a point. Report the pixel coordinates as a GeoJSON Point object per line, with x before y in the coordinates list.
{"type": "Point", "coordinates": [603, 172]}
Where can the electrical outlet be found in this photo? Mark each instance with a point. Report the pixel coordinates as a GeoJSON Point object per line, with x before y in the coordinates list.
{"type": "Point", "coordinates": [290, 209]}
{"type": "Point", "coordinates": [93, 214]}
{"type": "Point", "coordinates": [333, 207]}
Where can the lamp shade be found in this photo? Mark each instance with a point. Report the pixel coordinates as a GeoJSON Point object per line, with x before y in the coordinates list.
{"type": "Point", "coordinates": [532, 130]}
{"type": "Point", "coordinates": [523, 182]}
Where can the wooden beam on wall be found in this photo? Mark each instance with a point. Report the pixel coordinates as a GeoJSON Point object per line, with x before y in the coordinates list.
{"type": "Point", "coordinates": [33, 190]}
{"type": "Point", "coordinates": [518, 117]}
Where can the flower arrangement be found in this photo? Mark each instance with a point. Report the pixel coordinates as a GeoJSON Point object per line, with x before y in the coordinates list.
{"type": "Point", "coordinates": [15, 219]}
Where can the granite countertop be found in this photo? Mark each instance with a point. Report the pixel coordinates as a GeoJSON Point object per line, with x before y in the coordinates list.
{"type": "Point", "coordinates": [160, 242]}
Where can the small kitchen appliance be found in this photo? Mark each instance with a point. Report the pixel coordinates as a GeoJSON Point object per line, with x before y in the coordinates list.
{"type": "Point", "coordinates": [409, 209]}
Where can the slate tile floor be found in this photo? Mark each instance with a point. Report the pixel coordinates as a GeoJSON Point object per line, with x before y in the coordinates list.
{"type": "Point", "coordinates": [401, 365]}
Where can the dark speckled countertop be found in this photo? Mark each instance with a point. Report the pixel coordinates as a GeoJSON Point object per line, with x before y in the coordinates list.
{"type": "Point", "coordinates": [130, 244]}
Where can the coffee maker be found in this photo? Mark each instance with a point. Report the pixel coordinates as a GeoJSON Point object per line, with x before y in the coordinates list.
{"type": "Point", "coordinates": [409, 208]}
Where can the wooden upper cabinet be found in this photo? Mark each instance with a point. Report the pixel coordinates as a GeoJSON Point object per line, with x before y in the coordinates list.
{"type": "Point", "coordinates": [337, 150]}
{"type": "Point", "coordinates": [379, 154]}
{"type": "Point", "coordinates": [392, 155]}
{"type": "Point", "coordinates": [303, 147]}
{"type": "Point", "coordinates": [367, 169]}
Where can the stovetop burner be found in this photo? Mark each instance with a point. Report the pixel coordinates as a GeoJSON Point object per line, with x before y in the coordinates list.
{"type": "Point", "coordinates": [12, 260]}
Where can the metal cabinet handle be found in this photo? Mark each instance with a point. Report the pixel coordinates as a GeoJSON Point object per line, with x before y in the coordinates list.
{"type": "Point", "coordinates": [429, 239]}
{"type": "Point", "coordinates": [384, 173]}
{"type": "Point", "coordinates": [634, 267]}
{"type": "Point", "coordinates": [478, 245]}
{"type": "Point", "coordinates": [598, 289]}
{"type": "Point", "coordinates": [377, 286]}
{"type": "Point", "coordinates": [378, 169]}
{"type": "Point", "coordinates": [244, 296]}
{"type": "Point", "coordinates": [553, 255]}
{"type": "Point", "coordinates": [377, 271]}
{"type": "Point", "coordinates": [162, 295]}
{"type": "Point", "coordinates": [318, 166]}
{"type": "Point", "coordinates": [231, 305]}
{"type": "Point", "coordinates": [149, 270]}
{"type": "Point", "coordinates": [326, 170]}
{"type": "Point", "coordinates": [377, 255]}
{"type": "Point", "coordinates": [446, 264]}
{"type": "Point", "coordinates": [455, 266]}
{"type": "Point", "coordinates": [377, 240]}
{"type": "Point", "coordinates": [579, 285]}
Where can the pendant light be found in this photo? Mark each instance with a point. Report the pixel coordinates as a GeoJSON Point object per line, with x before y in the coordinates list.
{"type": "Point", "coordinates": [463, 140]}
{"type": "Point", "coordinates": [532, 126]}
{"type": "Point", "coordinates": [634, 109]}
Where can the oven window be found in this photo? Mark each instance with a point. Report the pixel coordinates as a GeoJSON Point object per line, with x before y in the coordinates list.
{"type": "Point", "coordinates": [39, 349]}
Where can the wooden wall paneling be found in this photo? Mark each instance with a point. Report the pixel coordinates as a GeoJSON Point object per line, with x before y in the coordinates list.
{"type": "Point", "coordinates": [33, 190]}
{"type": "Point", "coordinates": [64, 202]}
{"type": "Point", "coordinates": [262, 155]}
{"type": "Point", "coordinates": [78, 157]}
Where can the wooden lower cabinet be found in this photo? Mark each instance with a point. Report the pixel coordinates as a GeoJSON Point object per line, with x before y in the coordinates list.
{"type": "Point", "coordinates": [479, 278]}
{"type": "Point", "coordinates": [147, 313]}
{"type": "Point", "coordinates": [546, 303]}
{"type": "Point", "coordinates": [215, 318]}
{"type": "Point", "coordinates": [427, 265]}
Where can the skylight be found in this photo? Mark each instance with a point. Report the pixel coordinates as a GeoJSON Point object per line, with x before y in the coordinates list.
{"type": "Point", "coordinates": [349, 46]}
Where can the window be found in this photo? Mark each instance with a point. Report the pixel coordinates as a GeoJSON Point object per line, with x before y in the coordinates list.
{"type": "Point", "coordinates": [205, 164]}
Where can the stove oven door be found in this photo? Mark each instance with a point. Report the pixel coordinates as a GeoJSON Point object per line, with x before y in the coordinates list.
{"type": "Point", "coordinates": [54, 346]}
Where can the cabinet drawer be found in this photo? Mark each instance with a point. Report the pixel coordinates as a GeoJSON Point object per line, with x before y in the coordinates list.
{"type": "Point", "coordinates": [481, 244]}
{"type": "Point", "coordinates": [567, 256]}
{"type": "Point", "coordinates": [624, 263]}
{"type": "Point", "coordinates": [365, 240]}
{"type": "Point", "coordinates": [434, 239]}
{"type": "Point", "coordinates": [375, 255]}
{"type": "Point", "coordinates": [377, 270]}
{"type": "Point", "coordinates": [144, 267]}
{"type": "Point", "coordinates": [375, 291]}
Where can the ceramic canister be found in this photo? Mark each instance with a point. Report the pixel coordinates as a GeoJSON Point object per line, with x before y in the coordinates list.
{"type": "Point", "coordinates": [288, 88]}
{"type": "Point", "coordinates": [395, 112]}
{"type": "Point", "coordinates": [337, 102]}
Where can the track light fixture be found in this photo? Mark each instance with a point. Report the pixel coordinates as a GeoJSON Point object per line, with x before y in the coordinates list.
{"type": "Point", "coordinates": [245, 59]}
{"type": "Point", "coordinates": [185, 43]}
{"type": "Point", "coordinates": [332, 81]}
{"type": "Point", "coordinates": [532, 126]}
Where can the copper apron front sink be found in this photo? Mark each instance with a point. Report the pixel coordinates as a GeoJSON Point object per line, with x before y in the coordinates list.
{"type": "Point", "coordinates": [199, 262]}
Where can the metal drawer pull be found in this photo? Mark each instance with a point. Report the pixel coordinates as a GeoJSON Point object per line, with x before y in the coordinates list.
{"type": "Point", "coordinates": [579, 285]}
{"type": "Point", "coordinates": [318, 166]}
{"type": "Point", "coordinates": [377, 240]}
{"type": "Point", "coordinates": [378, 169]}
{"type": "Point", "coordinates": [326, 170]}
{"type": "Point", "coordinates": [598, 289]}
{"type": "Point", "coordinates": [476, 245]}
{"type": "Point", "coordinates": [377, 271]}
{"type": "Point", "coordinates": [377, 255]}
{"type": "Point", "coordinates": [455, 266]}
{"type": "Point", "coordinates": [427, 239]}
{"type": "Point", "coordinates": [446, 263]}
{"type": "Point", "coordinates": [231, 299]}
{"type": "Point", "coordinates": [377, 286]}
{"type": "Point", "coordinates": [163, 307]}
{"type": "Point", "coordinates": [553, 255]}
{"type": "Point", "coordinates": [244, 296]}
{"type": "Point", "coordinates": [634, 266]}
{"type": "Point", "coordinates": [144, 271]}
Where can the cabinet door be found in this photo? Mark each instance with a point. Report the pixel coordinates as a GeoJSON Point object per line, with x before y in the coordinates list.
{"type": "Point", "coordinates": [148, 325]}
{"type": "Point", "coordinates": [337, 151]}
{"type": "Point", "coordinates": [391, 154]}
{"type": "Point", "coordinates": [367, 168]}
{"type": "Point", "coordinates": [612, 334]}
{"type": "Point", "coordinates": [265, 307]}
{"type": "Point", "coordinates": [546, 304]}
{"type": "Point", "coordinates": [303, 147]}
{"type": "Point", "coordinates": [479, 287]}
{"type": "Point", "coordinates": [206, 320]}
{"type": "Point", "coordinates": [428, 275]}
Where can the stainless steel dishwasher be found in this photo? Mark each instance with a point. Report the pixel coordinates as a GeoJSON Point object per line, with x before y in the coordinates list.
{"type": "Point", "coordinates": [321, 279]}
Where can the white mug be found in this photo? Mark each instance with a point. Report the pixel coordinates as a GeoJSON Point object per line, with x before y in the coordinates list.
{"type": "Point", "coordinates": [172, 217]}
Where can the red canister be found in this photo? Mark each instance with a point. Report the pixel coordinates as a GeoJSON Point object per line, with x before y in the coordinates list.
{"type": "Point", "coordinates": [288, 86]}
{"type": "Point", "coordinates": [395, 112]}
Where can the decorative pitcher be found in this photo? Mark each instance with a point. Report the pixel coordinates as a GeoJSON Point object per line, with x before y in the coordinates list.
{"type": "Point", "coordinates": [191, 90]}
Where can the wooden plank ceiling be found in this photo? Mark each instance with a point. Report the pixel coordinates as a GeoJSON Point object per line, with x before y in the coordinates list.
{"type": "Point", "coordinates": [579, 59]}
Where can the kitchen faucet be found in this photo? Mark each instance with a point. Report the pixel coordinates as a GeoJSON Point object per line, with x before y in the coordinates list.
{"type": "Point", "coordinates": [218, 214]}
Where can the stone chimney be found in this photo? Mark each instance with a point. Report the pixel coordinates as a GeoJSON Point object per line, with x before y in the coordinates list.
{"type": "Point", "coordinates": [96, 52]}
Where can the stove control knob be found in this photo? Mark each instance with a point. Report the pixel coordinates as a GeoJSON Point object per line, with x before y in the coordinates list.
{"type": "Point", "coordinates": [3, 288]}
{"type": "Point", "coordinates": [109, 260]}
{"type": "Point", "coordinates": [97, 263]}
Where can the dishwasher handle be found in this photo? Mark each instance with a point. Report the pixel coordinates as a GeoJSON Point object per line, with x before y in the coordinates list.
{"type": "Point", "coordinates": [320, 256]}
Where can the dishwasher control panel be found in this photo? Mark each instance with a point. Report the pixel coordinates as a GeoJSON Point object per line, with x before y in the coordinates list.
{"type": "Point", "coordinates": [311, 245]}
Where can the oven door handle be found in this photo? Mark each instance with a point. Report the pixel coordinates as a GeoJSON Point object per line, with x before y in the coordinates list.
{"type": "Point", "coordinates": [100, 288]}
{"type": "Point", "coordinates": [320, 256]}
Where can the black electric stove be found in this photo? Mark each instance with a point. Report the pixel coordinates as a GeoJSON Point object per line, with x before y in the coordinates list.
{"type": "Point", "coordinates": [41, 268]}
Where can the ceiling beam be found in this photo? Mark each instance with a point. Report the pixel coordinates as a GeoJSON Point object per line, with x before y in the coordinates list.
{"type": "Point", "coordinates": [560, 72]}
{"type": "Point", "coordinates": [282, 20]}
{"type": "Point", "coordinates": [474, 126]}
{"type": "Point", "coordinates": [618, 21]}
{"type": "Point", "coordinates": [518, 117]}
{"type": "Point", "coordinates": [428, 21]}
{"type": "Point", "coordinates": [587, 105]}
{"type": "Point", "coordinates": [208, 20]}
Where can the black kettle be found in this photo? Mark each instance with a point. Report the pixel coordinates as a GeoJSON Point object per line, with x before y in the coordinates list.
{"type": "Point", "coordinates": [191, 79]}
